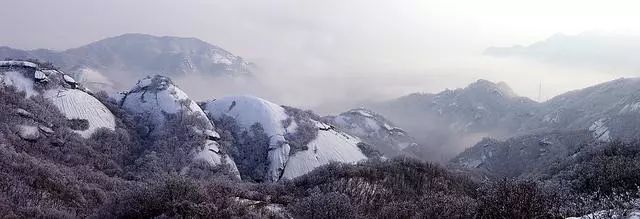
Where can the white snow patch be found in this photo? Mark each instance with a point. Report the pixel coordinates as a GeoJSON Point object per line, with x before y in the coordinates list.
{"type": "Point", "coordinates": [69, 79]}
{"type": "Point", "coordinates": [634, 107]}
{"type": "Point", "coordinates": [600, 130]}
{"type": "Point", "coordinates": [363, 113]}
{"type": "Point", "coordinates": [18, 63]}
{"type": "Point", "coordinates": [170, 100]}
{"type": "Point", "coordinates": [220, 59]}
{"type": "Point", "coordinates": [40, 76]}
{"type": "Point", "coordinates": [76, 104]}
{"type": "Point", "coordinates": [249, 110]}
{"type": "Point", "coordinates": [329, 146]}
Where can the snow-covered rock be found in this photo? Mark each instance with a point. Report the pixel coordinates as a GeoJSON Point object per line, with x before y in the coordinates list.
{"type": "Point", "coordinates": [375, 130]}
{"type": "Point", "coordinates": [59, 88]}
{"type": "Point", "coordinates": [156, 97]}
{"type": "Point", "coordinates": [40, 76]}
{"type": "Point", "coordinates": [76, 104]}
{"type": "Point", "coordinates": [29, 133]}
{"type": "Point", "coordinates": [329, 144]}
{"type": "Point", "coordinates": [18, 64]}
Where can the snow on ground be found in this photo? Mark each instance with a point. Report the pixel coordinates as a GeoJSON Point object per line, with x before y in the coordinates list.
{"type": "Point", "coordinates": [220, 59]}
{"type": "Point", "coordinates": [329, 145]}
{"type": "Point", "coordinates": [248, 110]}
{"type": "Point", "coordinates": [18, 63]}
{"type": "Point", "coordinates": [629, 108]}
{"type": "Point", "coordinates": [600, 130]}
{"type": "Point", "coordinates": [76, 104]}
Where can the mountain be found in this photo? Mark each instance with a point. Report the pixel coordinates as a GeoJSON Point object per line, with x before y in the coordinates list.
{"type": "Point", "coordinates": [525, 156]}
{"type": "Point", "coordinates": [456, 119]}
{"type": "Point", "coordinates": [609, 110]}
{"type": "Point", "coordinates": [563, 126]}
{"type": "Point", "coordinates": [452, 120]}
{"type": "Point", "coordinates": [132, 56]}
{"type": "Point", "coordinates": [375, 130]}
{"type": "Point", "coordinates": [275, 142]}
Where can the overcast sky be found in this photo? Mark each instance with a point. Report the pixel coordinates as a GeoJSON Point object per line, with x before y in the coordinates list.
{"type": "Point", "coordinates": [399, 46]}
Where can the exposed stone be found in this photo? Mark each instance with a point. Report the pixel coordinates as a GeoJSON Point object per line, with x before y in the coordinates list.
{"type": "Point", "coordinates": [40, 76]}
{"type": "Point", "coordinates": [45, 129]}
{"type": "Point", "coordinates": [24, 113]}
{"type": "Point", "coordinates": [29, 133]}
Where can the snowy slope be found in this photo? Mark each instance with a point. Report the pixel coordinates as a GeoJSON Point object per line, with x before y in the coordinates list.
{"type": "Point", "coordinates": [375, 130]}
{"type": "Point", "coordinates": [69, 97]}
{"type": "Point", "coordinates": [76, 104]}
{"type": "Point", "coordinates": [156, 97]}
{"type": "Point", "coordinates": [329, 145]}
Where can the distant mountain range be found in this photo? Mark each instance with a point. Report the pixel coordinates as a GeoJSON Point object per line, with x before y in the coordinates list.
{"type": "Point", "coordinates": [455, 119]}
{"type": "Point", "coordinates": [133, 56]}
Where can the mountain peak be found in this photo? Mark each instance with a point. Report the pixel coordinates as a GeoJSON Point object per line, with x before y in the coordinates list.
{"type": "Point", "coordinates": [135, 55]}
{"type": "Point", "coordinates": [485, 85]}
{"type": "Point", "coordinates": [148, 38]}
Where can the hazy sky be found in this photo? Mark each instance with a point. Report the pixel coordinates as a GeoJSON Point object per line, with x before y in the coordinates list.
{"type": "Point", "coordinates": [397, 47]}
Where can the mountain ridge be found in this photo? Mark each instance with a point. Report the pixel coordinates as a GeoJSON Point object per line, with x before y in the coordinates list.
{"type": "Point", "coordinates": [134, 55]}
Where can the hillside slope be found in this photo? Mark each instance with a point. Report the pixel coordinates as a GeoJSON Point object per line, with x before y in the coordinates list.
{"type": "Point", "coordinates": [285, 142]}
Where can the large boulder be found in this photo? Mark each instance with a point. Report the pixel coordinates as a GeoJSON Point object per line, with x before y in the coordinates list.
{"type": "Point", "coordinates": [296, 141]}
